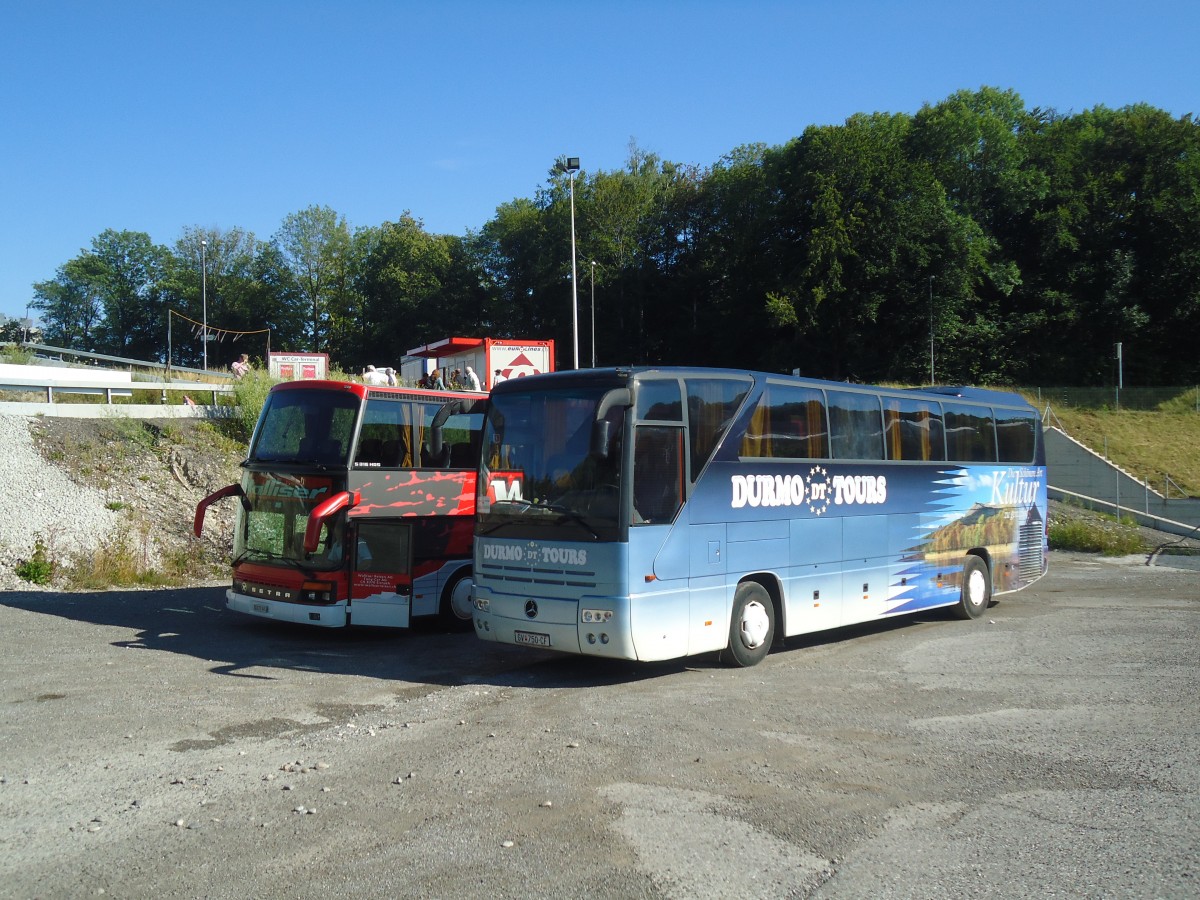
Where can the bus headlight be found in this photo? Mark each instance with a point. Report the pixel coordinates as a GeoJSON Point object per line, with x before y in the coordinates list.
{"type": "Point", "coordinates": [482, 603]}
{"type": "Point", "coordinates": [596, 615]}
{"type": "Point", "coordinates": [317, 592]}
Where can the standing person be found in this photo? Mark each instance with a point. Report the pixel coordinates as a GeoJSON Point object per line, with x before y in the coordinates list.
{"type": "Point", "coordinates": [472, 380]}
{"type": "Point", "coordinates": [240, 366]}
{"type": "Point", "coordinates": [498, 377]}
{"type": "Point", "coordinates": [456, 380]}
{"type": "Point", "coordinates": [435, 380]}
{"type": "Point", "coordinates": [391, 376]}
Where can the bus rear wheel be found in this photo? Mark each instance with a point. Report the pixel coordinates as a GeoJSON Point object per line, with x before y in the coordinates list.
{"type": "Point", "coordinates": [456, 608]}
{"type": "Point", "coordinates": [976, 589]}
{"type": "Point", "coordinates": [751, 627]}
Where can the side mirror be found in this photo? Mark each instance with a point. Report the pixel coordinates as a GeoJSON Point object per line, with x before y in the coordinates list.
{"type": "Point", "coordinates": [601, 437]}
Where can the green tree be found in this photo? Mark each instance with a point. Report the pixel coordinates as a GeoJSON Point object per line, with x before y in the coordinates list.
{"type": "Point", "coordinates": [71, 303]}
{"type": "Point", "coordinates": [521, 265]}
{"type": "Point", "coordinates": [315, 244]}
{"type": "Point", "coordinates": [1110, 249]}
{"type": "Point", "coordinates": [401, 281]}
{"type": "Point", "coordinates": [129, 271]}
{"type": "Point", "coordinates": [972, 143]}
{"type": "Point", "coordinates": [861, 226]}
{"type": "Point", "coordinates": [225, 296]}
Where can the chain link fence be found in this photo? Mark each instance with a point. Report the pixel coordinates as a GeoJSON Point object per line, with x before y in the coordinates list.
{"type": "Point", "coordinates": [1177, 399]}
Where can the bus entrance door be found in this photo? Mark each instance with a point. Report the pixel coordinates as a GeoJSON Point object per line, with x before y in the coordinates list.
{"type": "Point", "coordinates": [381, 577]}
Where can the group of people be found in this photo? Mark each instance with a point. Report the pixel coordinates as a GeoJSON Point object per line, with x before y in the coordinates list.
{"type": "Point", "coordinates": [386, 376]}
{"type": "Point", "coordinates": [456, 380]}
{"type": "Point", "coordinates": [439, 379]}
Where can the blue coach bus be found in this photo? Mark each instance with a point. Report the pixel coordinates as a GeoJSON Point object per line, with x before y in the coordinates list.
{"type": "Point", "coordinates": [656, 513]}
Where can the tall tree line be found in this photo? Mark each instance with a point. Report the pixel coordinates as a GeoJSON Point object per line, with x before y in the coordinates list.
{"type": "Point", "coordinates": [975, 241]}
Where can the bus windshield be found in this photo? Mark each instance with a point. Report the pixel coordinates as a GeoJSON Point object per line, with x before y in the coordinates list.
{"type": "Point", "coordinates": [277, 509]}
{"type": "Point", "coordinates": [540, 474]}
{"type": "Point", "coordinates": [306, 426]}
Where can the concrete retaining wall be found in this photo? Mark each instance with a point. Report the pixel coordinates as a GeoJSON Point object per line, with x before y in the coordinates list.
{"type": "Point", "coordinates": [1084, 476]}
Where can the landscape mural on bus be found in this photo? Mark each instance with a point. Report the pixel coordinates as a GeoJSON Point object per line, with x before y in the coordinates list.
{"type": "Point", "coordinates": [944, 509]}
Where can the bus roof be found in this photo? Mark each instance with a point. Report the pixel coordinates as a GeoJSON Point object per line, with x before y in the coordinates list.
{"type": "Point", "coordinates": [363, 390]}
{"type": "Point", "coordinates": [620, 375]}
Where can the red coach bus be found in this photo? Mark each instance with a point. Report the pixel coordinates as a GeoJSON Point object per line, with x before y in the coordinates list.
{"type": "Point", "coordinates": [357, 506]}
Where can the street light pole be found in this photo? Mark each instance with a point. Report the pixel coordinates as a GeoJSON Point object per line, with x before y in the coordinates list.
{"type": "Point", "coordinates": [571, 165]}
{"type": "Point", "coordinates": [204, 298]}
{"type": "Point", "coordinates": [593, 314]}
{"type": "Point", "coordinates": [574, 280]}
{"type": "Point", "coordinates": [931, 381]}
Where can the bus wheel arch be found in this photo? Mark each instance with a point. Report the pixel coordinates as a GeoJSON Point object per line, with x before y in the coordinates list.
{"type": "Point", "coordinates": [752, 624]}
{"type": "Point", "coordinates": [976, 591]}
{"type": "Point", "coordinates": [455, 607]}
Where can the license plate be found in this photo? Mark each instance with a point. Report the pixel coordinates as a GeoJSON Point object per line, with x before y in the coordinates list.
{"type": "Point", "coordinates": [261, 608]}
{"type": "Point", "coordinates": [532, 638]}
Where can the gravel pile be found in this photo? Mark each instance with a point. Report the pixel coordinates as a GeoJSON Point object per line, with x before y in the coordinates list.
{"type": "Point", "coordinates": [38, 500]}
{"type": "Point", "coordinates": [80, 484]}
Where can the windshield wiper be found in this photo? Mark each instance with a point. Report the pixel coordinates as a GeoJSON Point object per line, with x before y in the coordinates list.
{"type": "Point", "coordinates": [255, 553]}
{"type": "Point", "coordinates": [564, 513]}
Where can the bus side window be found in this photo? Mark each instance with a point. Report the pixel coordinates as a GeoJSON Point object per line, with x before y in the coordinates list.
{"type": "Point", "coordinates": [970, 434]}
{"type": "Point", "coordinates": [913, 429]}
{"type": "Point", "coordinates": [657, 474]}
{"type": "Point", "coordinates": [369, 452]}
{"type": "Point", "coordinates": [788, 423]}
{"type": "Point", "coordinates": [1016, 434]}
{"type": "Point", "coordinates": [396, 453]}
{"type": "Point", "coordinates": [855, 425]}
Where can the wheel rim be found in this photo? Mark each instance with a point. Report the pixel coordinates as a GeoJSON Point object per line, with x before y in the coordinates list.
{"type": "Point", "coordinates": [976, 588]}
{"type": "Point", "coordinates": [754, 625]}
{"type": "Point", "coordinates": [460, 599]}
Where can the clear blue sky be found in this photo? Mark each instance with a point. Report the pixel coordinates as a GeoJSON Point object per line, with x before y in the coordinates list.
{"type": "Point", "coordinates": [156, 116]}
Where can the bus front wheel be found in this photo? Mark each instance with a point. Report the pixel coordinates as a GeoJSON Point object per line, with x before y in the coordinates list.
{"type": "Point", "coordinates": [752, 626]}
{"type": "Point", "coordinates": [976, 589]}
{"type": "Point", "coordinates": [456, 608]}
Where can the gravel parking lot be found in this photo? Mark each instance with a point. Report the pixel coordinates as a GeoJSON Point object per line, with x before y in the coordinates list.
{"type": "Point", "coordinates": [155, 745]}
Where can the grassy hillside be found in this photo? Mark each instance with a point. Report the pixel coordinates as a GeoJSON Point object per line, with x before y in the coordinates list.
{"type": "Point", "coordinates": [1144, 443]}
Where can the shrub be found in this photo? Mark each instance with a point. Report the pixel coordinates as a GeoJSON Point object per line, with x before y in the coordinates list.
{"type": "Point", "coordinates": [1108, 537]}
{"type": "Point", "coordinates": [38, 569]}
{"type": "Point", "coordinates": [250, 393]}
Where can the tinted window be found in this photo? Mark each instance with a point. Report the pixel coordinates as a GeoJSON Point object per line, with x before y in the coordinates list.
{"type": "Point", "coordinates": [789, 423]}
{"type": "Point", "coordinates": [855, 426]}
{"type": "Point", "coordinates": [1016, 436]}
{"type": "Point", "coordinates": [385, 438]}
{"type": "Point", "coordinates": [307, 426]}
{"type": "Point", "coordinates": [659, 400]}
{"type": "Point", "coordinates": [383, 546]}
{"type": "Point", "coordinates": [913, 429]}
{"type": "Point", "coordinates": [657, 474]}
{"type": "Point", "coordinates": [712, 404]}
{"type": "Point", "coordinates": [461, 433]}
{"type": "Point", "coordinates": [970, 436]}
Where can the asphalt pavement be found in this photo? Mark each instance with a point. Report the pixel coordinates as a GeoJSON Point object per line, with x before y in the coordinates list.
{"type": "Point", "coordinates": [154, 744]}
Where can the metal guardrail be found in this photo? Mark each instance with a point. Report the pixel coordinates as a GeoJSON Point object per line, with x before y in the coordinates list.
{"type": "Point", "coordinates": [108, 389]}
{"type": "Point", "coordinates": [58, 352]}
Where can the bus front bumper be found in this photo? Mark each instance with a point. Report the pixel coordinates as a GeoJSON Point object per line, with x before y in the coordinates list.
{"type": "Point", "coordinates": [504, 619]}
{"type": "Point", "coordinates": [332, 616]}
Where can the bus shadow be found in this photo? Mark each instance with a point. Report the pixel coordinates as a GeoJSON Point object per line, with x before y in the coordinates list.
{"type": "Point", "coordinates": [194, 622]}
{"type": "Point", "coordinates": [862, 630]}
